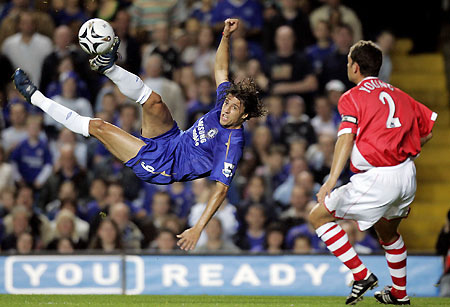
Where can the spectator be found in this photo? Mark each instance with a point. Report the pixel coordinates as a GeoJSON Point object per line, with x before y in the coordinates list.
{"type": "Point", "coordinates": [273, 171]}
{"type": "Point", "coordinates": [201, 55]}
{"type": "Point", "coordinates": [302, 245]}
{"type": "Point", "coordinates": [254, 70]}
{"type": "Point", "coordinates": [107, 238]}
{"type": "Point", "coordinates": [252, 235]}
{"type": "Point", "coordinates": [443, 249]}
{"type": "Point", "coordinates": [66, 169]}
{"type": "Point", "coordinates": [25, 243]}
{"type": "Point", "coordinates": [320, 157]}
{"type": "Point", "coordinates": [129, 48]}
{"type": "Point", "coordinates": [239, 55]}
{"type": "Point", "coordinates": [261, 141]}
{"type": "Point", "coordinates": [346, 14]}
{"type": "Point", "coordinates": [182, 199]}
{"type": "Point", "coordinates": [128, 118]}
{"type": "Point", "coordinates": [64, 227]}
{"type": "Point", "coordinates": [66, 191]}
{"type": "Point", "coordinates": [31, 158]}
{"type": "Point", "coordinates": [17, 132]}
{"type": "Point", "coordinates": [248, 11]}
{"type": "Point", "coordinates": [324, 122]}
{"type": "Point", "coordinates": [68, 138]}
{"type": "Point", "coordinates": [170, 91]}
{"type": "Point", "coordinates": [162, 46]}
{"type": "Point", "coordinates": [297, 124]}
{"type": "Point", "coordinates": [6, 172]}
{"type": "Point", "coordinates": [202, 11]}
{"type": "Point", "coordinates": [70, 99]}
{"type": "Point", "coordinates": [335, 65]}
{"type": "Point", "coordinates": [257, 193]}
{"type": "Point", "coordinates": [165, 242]}
{"type": "Point", "coordinates": [322, 48]}
{"type": "Point", "coordinates": [27, 49]}
{"type": "Point", "coordinates": [160, 208]}
{"type": "Point", "coordinates": [215, 242]}
{"type": "Point", "coordinates": [7, 201]}
{"type": "Point", "coordinates": [274, 239]}
{"type": "Point", "coordinates": [289, 71]}
{"type": "Point", "coordinates": [305, 179]}
{"type": "Point", "coordinates": [70, 14]}
{"type": "Point", "coordinates": [276, 116]}
{"type": "Point", "coordinates": [65, 246]}
{"type": "Point", "coordinates": [147, 14]}
{"type": "Point", "coordinates": [66, 56]}
{"type": "Point", "coordinates": [19, 224]}
{"type": "Point", "coordinates": [205, 99]}
{"type": "Point", "coordinates": [98, 203]}
{"type": "Point", "coordinates": [296, 214]}
{"type": "Point", "coordinates": [283, 192]}
{"type": "Point", "coordinates": [289, 14]}
{"type": "Point", "coordinates": [131, 235]}
{"type": "Point", "coordinates": [386, 41]}
{"type": "Point", "coordinates": [5, 77]}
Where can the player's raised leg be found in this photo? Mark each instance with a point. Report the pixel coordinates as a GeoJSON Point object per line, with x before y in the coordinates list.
{"type": "Point", "coordinates": [156, 117]}
{"type": "Point", "coordinates": [336, 240]}
{"type": "Point", "coordinates": [395, 251]}
{"type": "Point", "coordinates": [121, 144]}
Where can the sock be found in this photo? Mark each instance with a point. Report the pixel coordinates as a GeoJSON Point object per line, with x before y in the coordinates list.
{"type": "Point", "coordinates": [337, 242]}
{"type": "Point", "coordinates": [396, 259]}
{"type": "Point", "coordinates": [70, 119]}
{"type": "Point", "coordinates": [129, 84]}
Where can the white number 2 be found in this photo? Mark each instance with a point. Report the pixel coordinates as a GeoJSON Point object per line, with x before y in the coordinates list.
{"type": "Point", "coordinates": [392, 122]}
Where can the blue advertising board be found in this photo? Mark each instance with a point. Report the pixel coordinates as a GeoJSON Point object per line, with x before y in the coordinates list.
{"type": "Point", "coordinates": [225, 275]}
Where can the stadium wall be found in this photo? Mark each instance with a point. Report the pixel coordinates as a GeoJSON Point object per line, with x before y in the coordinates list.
{"type": "Point", "coordinates": [195, 275]}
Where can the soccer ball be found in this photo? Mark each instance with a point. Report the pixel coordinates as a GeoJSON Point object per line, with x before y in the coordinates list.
{"type": "Point", "coordinates": [96, 36]}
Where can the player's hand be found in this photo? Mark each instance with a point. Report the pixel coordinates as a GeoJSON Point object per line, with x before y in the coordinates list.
{"type": "Point", "coordinates": [231, 24]}
{"type": "Point", "coordinates": [325, 191]}
{"type": "Point", "coordinates": [189, 238]}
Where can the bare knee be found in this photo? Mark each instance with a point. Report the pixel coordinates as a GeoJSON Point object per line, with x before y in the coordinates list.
{"type": "Point", "coordinates": [97, 126]}
{"type": "Point", "coordinates": [319, 216]}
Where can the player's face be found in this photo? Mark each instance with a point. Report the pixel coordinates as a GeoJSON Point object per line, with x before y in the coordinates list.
{"type": "Point", "coordinates": [350, 69]}
{"type": "Point", "coordinates": [232, 115]}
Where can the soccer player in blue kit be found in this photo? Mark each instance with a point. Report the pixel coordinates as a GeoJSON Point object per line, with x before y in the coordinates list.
{"type": "Point", "coordinates": [164, 154]}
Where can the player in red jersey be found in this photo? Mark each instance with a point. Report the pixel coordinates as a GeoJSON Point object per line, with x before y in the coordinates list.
{"type": "Point", "coordinates": [382, 130]}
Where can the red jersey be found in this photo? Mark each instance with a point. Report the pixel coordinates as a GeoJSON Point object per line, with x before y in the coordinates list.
{"type": "Point", "coordinates": [388, 124]}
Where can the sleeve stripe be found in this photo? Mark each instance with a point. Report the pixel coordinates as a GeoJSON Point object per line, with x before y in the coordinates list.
{"type": "Point", "coordinates": [344, 131]}
{"type": "Point", "coordinates": [434, 116]}
{"type": "Point", "coordinates": [228, 145]}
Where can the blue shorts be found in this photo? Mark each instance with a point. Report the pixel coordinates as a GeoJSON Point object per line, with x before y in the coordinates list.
{"type": "Point", "coordinates": [154, 161]}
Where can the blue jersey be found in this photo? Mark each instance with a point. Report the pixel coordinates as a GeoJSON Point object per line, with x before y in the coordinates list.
{"type": "Point", "coordinates": [30, 159]}
{"type": "Point", "coordinates": [205, 149]}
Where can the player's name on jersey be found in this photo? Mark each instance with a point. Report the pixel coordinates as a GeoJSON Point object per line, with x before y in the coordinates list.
{"type": "Point", "coordinates": [372, 84]}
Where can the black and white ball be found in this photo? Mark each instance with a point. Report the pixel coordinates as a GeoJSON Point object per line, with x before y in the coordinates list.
{"type": "Point", "coordinates": [96, 36]}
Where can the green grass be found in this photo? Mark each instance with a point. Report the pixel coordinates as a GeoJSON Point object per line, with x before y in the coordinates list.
{"type": "Point", "coordinates": [193, 300]}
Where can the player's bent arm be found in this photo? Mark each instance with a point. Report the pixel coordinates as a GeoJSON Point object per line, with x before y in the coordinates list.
{"type": "Point", "coordinates": [188, 239]}
{"type": "Point", "coordinates": [342, 151]}
{"type": "Point", "coordinates": [425, 139]}
{"type": "Point", "coordinates": [214, 202]}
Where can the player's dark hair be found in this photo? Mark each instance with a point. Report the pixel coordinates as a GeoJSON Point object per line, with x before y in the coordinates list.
{"type": "Point", "coordinates": [368, 56]}
{"type": "Point", "coordinates": [246, 91]}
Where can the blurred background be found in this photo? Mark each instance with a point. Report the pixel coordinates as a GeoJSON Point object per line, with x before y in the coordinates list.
{"type": "Point", "coordinates": [62, 193]}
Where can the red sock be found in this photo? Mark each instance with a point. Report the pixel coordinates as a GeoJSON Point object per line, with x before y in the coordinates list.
{"type": "Point", "coordinates": [337, 242]}
{"type": "Point", "coordinates": [396, 259]}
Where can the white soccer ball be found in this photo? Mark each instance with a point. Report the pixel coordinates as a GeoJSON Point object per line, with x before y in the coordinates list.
{"type": "Point", "coordinates": [96, 36]}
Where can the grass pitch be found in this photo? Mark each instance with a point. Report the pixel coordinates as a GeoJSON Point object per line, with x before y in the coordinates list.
{"type": "Point", "coordinates": [196, 300]}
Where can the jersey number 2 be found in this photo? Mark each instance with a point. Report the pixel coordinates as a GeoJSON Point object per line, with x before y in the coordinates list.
{"type": "Point", "coordinates": [391, 122]}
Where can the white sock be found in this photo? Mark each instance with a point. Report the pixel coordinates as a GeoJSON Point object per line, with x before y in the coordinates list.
{"type": "Point", "coordinates": [129, 84]}
{"type": "Point", "coordinates": [71, 119]}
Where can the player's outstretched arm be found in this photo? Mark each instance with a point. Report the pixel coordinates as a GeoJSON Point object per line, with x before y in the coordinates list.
{"type": "Point", "coordinates": [342, 152]}
{"type": "Point", "coordinates": [223, 51]}
{"type": "Point", "coordinates": [189, 238]}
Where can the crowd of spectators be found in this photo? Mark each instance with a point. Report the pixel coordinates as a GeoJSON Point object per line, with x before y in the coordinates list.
{"type": "Point", "coordinates": [65, 193]}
